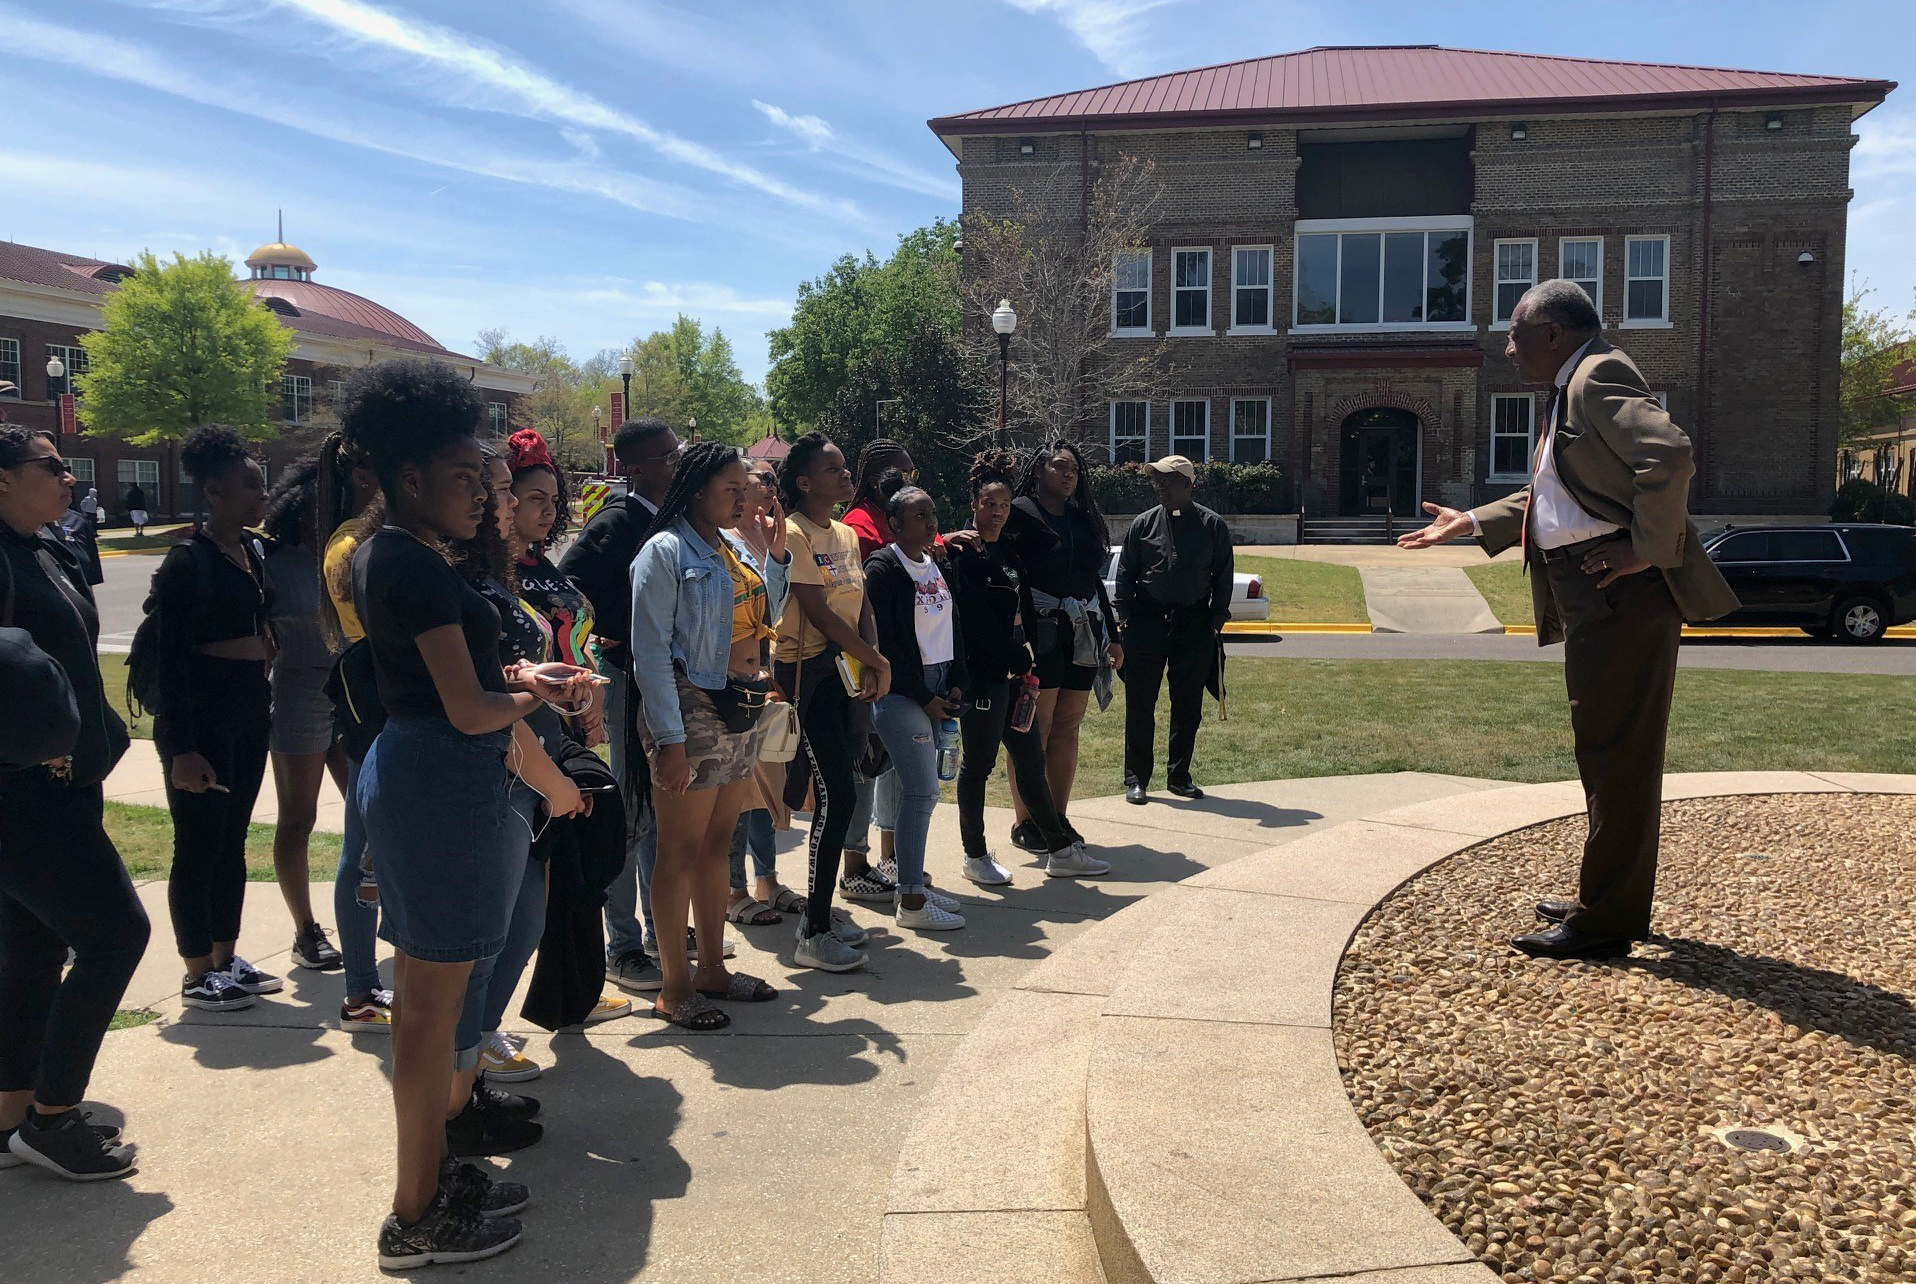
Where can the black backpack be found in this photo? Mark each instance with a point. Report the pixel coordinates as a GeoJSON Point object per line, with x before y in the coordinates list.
{"type": "Point", "coordinates": [143, 657]}
{"type": "Point", "coordinates": [353, 687]}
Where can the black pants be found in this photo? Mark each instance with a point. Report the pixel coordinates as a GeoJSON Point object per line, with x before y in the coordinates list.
{"type": "Point", "coordinates": [61, 885]}
{"type": "Point", "coordinates": [1183, 645]}
{"type": "Point", "coordinates": [1619, 666]}
{"type": "Point", "coordinates": [232, 716]}
{"type": "Point", "coordinates": [983, 728]}
{"type": "Point", "coordinates": [826, 716]}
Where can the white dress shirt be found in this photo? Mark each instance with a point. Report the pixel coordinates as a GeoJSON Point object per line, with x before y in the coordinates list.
{"type": "Point", "coordinates": [1555, 518]}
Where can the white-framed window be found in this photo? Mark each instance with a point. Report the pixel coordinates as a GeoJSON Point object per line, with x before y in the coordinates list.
{"type": "Point", "coordinates": [1382, 274]}
{"type": "Point", "coordinates": [1131, 292]}
{"type": "Point", "coordinates": [295, 398]}
{"type": "Point", "coordinates": [1580, 259]}
{"type": "Point", "coordinates": [1250, 430]}
{"type": "Point", "coordinates": [74, 358]}
{"type": "Point", "coordinates": [1513, 421]}
{"type": "Point", "coordinates": [335, 391]}
{"type": "Point", "coordinates": [10, 363]}
{"type": "Point", "coordinates": [1251, 289]}
{"type": "Point", "coordinates": [1646, 280]}
{"type": "Point", "coordinates": [1516, 272]}
{"type": "Point", "coordinates": [1130, 432]}
{"type": "Point", "coordinates": [500, 419]}
{"type": "Point", "coordinates": [144, 473]}
{"type": "Point", "coordinates": [1663, 399]}
{"type": "Point", "coordinates": [1191, 429]}
{"type": "Point", "coordinates": [83, 474]}
{"type": "Point", "coordinates": [1191, 291]}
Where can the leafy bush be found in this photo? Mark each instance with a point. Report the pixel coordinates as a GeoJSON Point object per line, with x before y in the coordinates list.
{"type": "Point", "coordinates": [1225, 488]}
{"type": "Point", "coordinates": [1865, 501]}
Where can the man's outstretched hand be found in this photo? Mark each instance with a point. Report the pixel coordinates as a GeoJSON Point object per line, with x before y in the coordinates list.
{"type": "Point", "coordinates": [1446, 524]}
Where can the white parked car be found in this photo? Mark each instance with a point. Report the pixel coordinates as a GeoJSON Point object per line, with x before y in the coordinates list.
{"type": "Point", "coordinates": [1247, 591]}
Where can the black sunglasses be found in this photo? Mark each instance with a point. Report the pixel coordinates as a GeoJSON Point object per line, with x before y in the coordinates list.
{"type": "Point", "coordinates": [52, 463]}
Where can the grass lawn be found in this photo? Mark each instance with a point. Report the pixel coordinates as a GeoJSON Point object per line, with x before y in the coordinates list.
{"type": "Point", "coordinates": [144, 836]}
{"type": "Point", "coordinates": [129, 1018]}
{"type": "Point", "coordinates": [1505, 587]}
{"type": "Point", "coordinates": [1506, 720]}
{"type": "Point", "coordinates": [113, 678]}
{"type": "Point", "coordinates": [1309, 592]}
{"type": "Point", "coordinates": [121, 539]}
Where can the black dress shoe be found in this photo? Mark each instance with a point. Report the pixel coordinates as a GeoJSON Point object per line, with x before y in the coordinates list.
{"type": "Point", "coordinates": [1186, 790]}
{"type": "Point", "coordinates": [1555, 911]}
{"type": "Point", "coordinates": [1134, 794]}
{"type": "Point", "coordinates": [1560, 942]}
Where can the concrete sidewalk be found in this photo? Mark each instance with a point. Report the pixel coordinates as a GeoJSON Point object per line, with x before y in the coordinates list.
{"type": "Point", "coordinates": [265, 1136]}
{"type": "Point", "coordinates": [1459, 555]}
{"type": "Point", "coordinates": [1425, 599]}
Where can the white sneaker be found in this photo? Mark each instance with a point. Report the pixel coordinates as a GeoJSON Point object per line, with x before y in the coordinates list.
{"type": "Point", "coordinates": [932, 918]}
{"type": "Point", "coordinates": [846, 930]}
{"type": "Point", "coordinates": [986, 871]}
{"type": "Point", "coordinates": [935, 897]}
{"type": "Point", "coordinates": [498, 1059]}
{"type": "Point", "coordinates": [1075, 862]}
{"type": "Point", "coordinates": [827, 953]}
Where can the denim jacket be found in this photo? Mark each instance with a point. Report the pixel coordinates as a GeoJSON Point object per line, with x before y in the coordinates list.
{"type": "Point", "coordinates": [682, 611]}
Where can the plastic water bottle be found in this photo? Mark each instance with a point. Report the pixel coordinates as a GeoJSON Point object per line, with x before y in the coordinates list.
{"type": "Point", "coordinates": [945, 733]}
{"type": "Point", "coordinates": [1024, 705]}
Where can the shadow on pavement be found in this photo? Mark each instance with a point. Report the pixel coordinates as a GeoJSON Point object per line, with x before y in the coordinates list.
{"type": "Point", "coordinates": [58, 1231]}
{"type": "Point", "coordinates": [1266, 815]}
{"type": "Point", "coordinates": [221, 1045]}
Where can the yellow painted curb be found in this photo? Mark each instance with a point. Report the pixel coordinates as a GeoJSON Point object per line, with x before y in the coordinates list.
{"type": "Point", "coordinates": [1268, 628]}
{"type": "Point", "coordinates": [1704, 631]}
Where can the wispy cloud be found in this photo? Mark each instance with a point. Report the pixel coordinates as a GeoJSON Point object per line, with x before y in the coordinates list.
{"type": "Point", "coordinates": [1885, 144]}
{"type": "Point", "coordinates": [468, 73]}
{"type": "Point", "coordinates": [819, 136]}
{"type": "Point", "coordinates": [1112, 30]}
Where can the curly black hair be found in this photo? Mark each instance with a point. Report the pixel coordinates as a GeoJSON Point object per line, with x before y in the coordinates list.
{"type": "Point", "coordinates": [561, 498]}
{"type": "Point", "coordinates": [1083, 498]}
{"type": "Point", "coordinates": [210, 450]}
{"type": "Point", "coordinates": [803, 455]}
{"type": "Point", "coordinates": [14, 440]}
{"type": "Point", "coordinates": [701, 462]}
{"type": "Point", "coordinates": [990, 468]}
{"type": "Point", "coordinates": [486, 556]}
{"type": "Point", "coordinates": [405, 411]}
{"type": "Point", "coordinates": [289, 507]}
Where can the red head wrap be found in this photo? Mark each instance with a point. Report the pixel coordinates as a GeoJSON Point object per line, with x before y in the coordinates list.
{"type": "Point", "coordinates": [527, 449]}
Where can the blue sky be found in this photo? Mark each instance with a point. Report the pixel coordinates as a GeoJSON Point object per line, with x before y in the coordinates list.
{"type": "Point", "coordinates": [588, 168]}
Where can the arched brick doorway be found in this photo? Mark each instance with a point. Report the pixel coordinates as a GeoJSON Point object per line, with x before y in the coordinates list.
{"type": "Point", "coordinates": [1380, 452]}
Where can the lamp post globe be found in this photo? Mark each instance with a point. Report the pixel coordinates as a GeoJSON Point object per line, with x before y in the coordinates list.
{"type": "Point", "coordinates": [626, 366]}
{"type": "Point", "coordinates": [1004, 320]}
{"type": "Point", "coordinates": [56, 370]}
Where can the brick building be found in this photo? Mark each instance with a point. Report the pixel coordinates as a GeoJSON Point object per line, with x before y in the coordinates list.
{"type": "Point", "coordinates": [1345, 231]}
{"type": "Point", "coordinates": [48, 299]}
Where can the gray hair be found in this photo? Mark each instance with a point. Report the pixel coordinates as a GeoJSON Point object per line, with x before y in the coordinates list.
{"type": "Point", "coordinates": [1564, 302]}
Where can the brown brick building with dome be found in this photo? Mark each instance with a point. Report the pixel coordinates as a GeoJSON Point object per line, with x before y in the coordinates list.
{"type": "Point", "coordinates": [48, 299]}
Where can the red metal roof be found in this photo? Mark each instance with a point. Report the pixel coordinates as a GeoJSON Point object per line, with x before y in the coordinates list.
{"type": "Point", "coordinates": [311, 297]}
{"type": "Point", "coordinates": [1399, 82]}
{"type": "Point", "coordinates": [768, 448]}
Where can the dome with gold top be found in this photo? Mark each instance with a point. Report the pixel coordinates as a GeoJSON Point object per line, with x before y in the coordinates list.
{"type": "Point", "coordinates": [282, 278]}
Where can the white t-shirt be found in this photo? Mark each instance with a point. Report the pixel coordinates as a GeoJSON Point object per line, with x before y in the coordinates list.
{"type": "Point", "coordinates": [932, 617]}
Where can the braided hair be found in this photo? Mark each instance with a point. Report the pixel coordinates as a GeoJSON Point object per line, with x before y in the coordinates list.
{"type": "Point", "coordinates": [798, 461]}
{"type": "Point", "coordinates": [874, 461]}
{"type": "Point", "coordinates": [701, 462]}
{"type": "Point", "coordinates": [1083, 497]}
{"type": "Point", "coordinates": [990, 468]}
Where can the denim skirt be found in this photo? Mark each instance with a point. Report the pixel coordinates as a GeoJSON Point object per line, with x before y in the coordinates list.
{"type": "Point", "coordinates": [439, 835]}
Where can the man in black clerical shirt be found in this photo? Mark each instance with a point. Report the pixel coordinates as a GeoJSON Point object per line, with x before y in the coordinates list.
{"type": "Point", "coordinates": [1173, 596]}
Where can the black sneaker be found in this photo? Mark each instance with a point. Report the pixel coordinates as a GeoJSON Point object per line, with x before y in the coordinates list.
{"type": "Point", "coordinates": [449, 1232]}
{"type": "Point", "coordinates": [215, 992]}
{"type": "Point", "coordinates": [109, 1135]}
{"type": "Point", "coordinates": [313, 950]}
{"type": "Point", "coordinates": [477, 1189]}
{"type": "Point", "coordinates": [480, 1129]}
{"type": "Point", "coordinates": [251, 979]}
{"type": "Point", "coordinates": [512, 1105]}
{"type": "Point", "coordinates": [1026, 838]}
{"type": "Point", "coordinates": [69, 1147]}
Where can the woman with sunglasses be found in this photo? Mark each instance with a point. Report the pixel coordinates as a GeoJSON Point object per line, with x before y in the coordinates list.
{"type": "Point", "coordinates": [62, 884]}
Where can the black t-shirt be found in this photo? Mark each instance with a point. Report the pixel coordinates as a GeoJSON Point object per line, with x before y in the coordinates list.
{"type": "Point", "coordinates": [524, 635]}
{"type": "Point", "coordinates": [1063, 554]}
{"type": "Point", "coordinates": [403, 588]}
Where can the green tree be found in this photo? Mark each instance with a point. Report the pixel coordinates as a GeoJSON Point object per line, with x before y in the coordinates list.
{"type": "Point", "coordinates": [858, 307]}
{"type": "Point", "coordinates": [560, 407]}
{"type": "Point", "coordinates": [682, 373]}
{"type": "Point", "coordinates": [1875, 342]}
{"type": "Point", "coordinates": [182, 344]}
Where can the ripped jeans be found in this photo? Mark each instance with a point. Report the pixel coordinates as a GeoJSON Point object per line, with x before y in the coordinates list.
{"type": "Point", "coordinates": [906, 730]}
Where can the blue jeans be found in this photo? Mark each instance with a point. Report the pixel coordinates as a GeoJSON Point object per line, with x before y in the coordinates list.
{"type": "Point", "coordinates": [630, 894]}
{"type": "Point", "coordinates": [874, 800]}
{"type": "Point", "coordinates": [358, 924]}
{"type": "Point", "coordinates": [528, 916]}
{"type": "Point", "coordinates": [754, 829]}
{"type": "Point", "coordinates": [906, 730]}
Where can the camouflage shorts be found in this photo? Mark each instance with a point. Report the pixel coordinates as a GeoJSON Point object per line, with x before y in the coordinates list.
{"type": "Point", "coordinates": [718, 757]}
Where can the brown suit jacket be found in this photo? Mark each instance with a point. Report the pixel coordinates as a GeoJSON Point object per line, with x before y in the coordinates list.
{"type": "Point", "coordinates": [1622, 460]}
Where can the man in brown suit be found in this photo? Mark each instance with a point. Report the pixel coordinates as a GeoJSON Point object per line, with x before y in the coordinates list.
{"type": "Point", "coordinates": [1615, 568]}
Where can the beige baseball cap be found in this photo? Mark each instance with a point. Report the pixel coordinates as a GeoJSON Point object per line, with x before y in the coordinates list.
{"type": "Point", "coordinates": [1175, 464]}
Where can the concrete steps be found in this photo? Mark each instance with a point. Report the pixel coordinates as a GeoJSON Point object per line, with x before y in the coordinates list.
{"type": "Point", "coordinates": [1349, 530]}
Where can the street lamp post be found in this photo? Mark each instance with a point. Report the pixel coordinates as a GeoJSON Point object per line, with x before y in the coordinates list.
{"type": "Point", "coordinates": [626, 367]}
{"type": "Point", "coordinates": [56, 369]}
{"type": "Point", "coordinates": [1005, 322]}
{"type": "Point", "coordinates": [692, 426]}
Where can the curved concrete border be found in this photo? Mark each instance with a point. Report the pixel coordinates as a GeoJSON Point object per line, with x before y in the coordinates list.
{"type": "Point", "coordinates": [1112, 1119]}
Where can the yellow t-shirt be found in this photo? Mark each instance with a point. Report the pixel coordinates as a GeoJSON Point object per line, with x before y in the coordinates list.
{"type": "Point", "coordinates": [826, 556]}
{"type": "Point", "coordinates": [336, 570]}
{"type": "Point", "coordinates": [748, 597]}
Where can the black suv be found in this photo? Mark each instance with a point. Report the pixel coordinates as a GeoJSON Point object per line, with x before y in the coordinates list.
{"type": "Point", "coordinates": [1848, 581]}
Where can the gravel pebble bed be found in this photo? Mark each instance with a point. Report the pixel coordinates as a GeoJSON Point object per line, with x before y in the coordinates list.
{"type": "Point", "coordinates": [1564, 1120]}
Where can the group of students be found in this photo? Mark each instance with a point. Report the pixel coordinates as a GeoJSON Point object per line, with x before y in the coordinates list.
{"type": "Point", "coordinates": [742, 649]}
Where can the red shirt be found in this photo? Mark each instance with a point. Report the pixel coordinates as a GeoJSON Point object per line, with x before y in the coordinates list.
{"type": "Point", "coordinates": [873, 528]}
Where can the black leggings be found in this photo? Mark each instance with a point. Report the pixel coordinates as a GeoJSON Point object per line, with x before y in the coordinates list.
{"type": "Point", "coordinates": [983, 729]}
{"type": "Point", "coordinates": [231, 723]}
{"type": "Point", "coordinates": [825, 715]}
{"type": "Point", "coordinates": [61, 885]}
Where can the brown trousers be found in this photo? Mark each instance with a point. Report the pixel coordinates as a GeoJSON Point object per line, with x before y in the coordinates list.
{"type": "Point", "coordinates": [1619, 665]}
